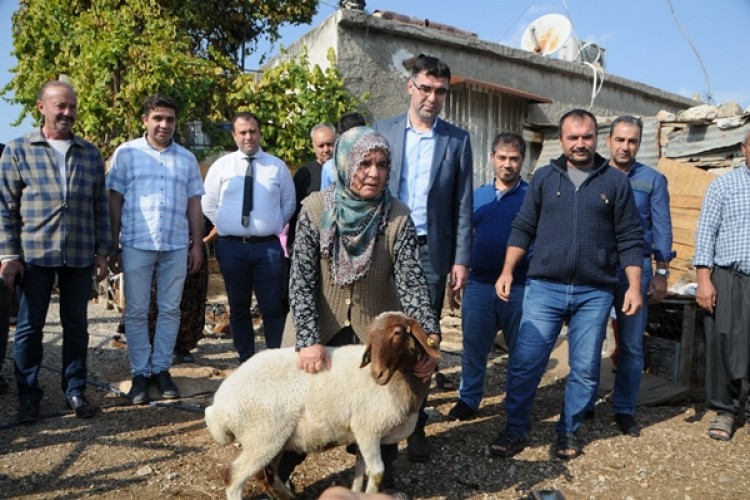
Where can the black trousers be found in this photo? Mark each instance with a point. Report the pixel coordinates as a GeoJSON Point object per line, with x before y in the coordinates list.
{"type": "Point", "coordinates": [728, 340]}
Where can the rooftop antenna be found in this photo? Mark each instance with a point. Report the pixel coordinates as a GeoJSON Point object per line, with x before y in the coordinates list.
{"type": "Point", "coordinates": [547, 34]}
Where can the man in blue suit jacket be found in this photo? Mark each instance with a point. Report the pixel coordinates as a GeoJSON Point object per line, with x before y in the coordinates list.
{"type": "Point", "coordinates": [431, 172]}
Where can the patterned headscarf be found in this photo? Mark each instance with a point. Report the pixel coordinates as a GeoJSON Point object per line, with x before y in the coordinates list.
{"type": "Point", "coordinates": [350, 225]}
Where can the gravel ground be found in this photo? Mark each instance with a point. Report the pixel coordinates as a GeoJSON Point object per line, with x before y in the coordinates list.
{"type": "Point", "coordinates": [165, 451]}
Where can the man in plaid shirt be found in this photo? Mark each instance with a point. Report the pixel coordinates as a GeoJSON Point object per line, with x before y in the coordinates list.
{"type": "Point", "coordinates": [54, 220]}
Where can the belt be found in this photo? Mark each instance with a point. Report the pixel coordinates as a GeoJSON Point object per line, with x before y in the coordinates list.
{"type": "Point", "coordinates": [250, 239]}
{"type": "Point", "coordinates": [422, 240]}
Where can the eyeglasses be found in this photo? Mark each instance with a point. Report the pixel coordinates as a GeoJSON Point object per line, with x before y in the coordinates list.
{"type": "Point", "coordinates": [426, 90]}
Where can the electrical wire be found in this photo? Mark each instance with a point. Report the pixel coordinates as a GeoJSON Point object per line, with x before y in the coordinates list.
{"type": "Point", "coordinates": [709, 96]}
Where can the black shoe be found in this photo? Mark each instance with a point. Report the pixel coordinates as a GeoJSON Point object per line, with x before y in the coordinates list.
{"type": "Point", "coordinates": [589, 415]}
{"type": "Point", "coordinates": [462, 411]}
{"type": "Point", "coordinates": [183, 357]}
{"type": "Point", "coordinates": [396, 493]}
{"type": "Point", "coordinates": [627, 424]}
{"type": "Point", "coordinates": [3, 385]}
{"type": "Point", "coordinates": [139, 390]}
{"type": "Point", "coordinates": [81, 406]}
{"type": "Point", "coordinates": [28, 412]}
{"type": "Point", "coordinates": [166, 385]}
{"type": "Point", "coordinates": [418, 449]}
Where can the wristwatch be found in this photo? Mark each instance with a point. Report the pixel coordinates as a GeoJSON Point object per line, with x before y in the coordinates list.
{"type": "Point", "coordinates": [663, 272]}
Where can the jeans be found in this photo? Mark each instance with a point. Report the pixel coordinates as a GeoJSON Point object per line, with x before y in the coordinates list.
{"type": "Point", "coordinates": [170, 270]}
{"type": "Point", "coordinates": [546, 306]}
{"type": "Point", "coordinates": [483, 314]}
{"type": "Point", "coordinates": [34, 294]}
{"type": "Point", "coordinates": [630, 343]}
{"type": "Point", "coordinates": [248, 267]}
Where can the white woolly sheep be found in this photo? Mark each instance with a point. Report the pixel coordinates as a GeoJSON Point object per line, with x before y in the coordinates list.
{"type": "Point", "coordinates": [269, 405]}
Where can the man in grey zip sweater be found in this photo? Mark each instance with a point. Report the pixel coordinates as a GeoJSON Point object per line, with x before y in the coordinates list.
{"type": "Point", "coordinates": [582, 216]}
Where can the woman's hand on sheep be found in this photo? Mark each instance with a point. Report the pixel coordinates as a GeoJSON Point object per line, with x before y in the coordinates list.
{"type": "Point", "coordinates": [313, 359]}
{"type": "Point", "coordinates": [425, 369]}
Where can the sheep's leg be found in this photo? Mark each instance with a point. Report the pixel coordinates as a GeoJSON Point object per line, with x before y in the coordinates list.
{"type": "Point", "coordinates": [247, 464]}
{"type": "Point", "coordinates": [359, 473]}
{"type": "Point", "coordinates": [370, 451]}
{"type": "Point", "coordinates": [281, 490]}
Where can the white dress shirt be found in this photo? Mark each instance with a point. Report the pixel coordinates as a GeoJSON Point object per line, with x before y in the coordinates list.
{"type": "Point", "coordinates": [274, 200]}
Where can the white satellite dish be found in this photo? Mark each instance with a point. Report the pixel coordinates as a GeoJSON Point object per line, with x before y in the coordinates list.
{"type": "Point", "coordinates": [546, 34]}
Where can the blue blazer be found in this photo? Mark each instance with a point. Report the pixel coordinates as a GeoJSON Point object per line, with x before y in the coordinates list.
{"type": "Point", "coordinates": [450, 199]}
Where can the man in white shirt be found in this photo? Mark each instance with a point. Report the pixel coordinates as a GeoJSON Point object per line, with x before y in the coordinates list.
{"type": "Point", "coordinates": [249, 198]}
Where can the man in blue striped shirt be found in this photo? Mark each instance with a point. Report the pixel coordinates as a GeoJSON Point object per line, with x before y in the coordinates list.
{"type": "Point", "coordinates": [722, 262]}
{"type": "Point", "coordinates": [155, 190]}
{"type": "Point", "coordinates": [54, 226]}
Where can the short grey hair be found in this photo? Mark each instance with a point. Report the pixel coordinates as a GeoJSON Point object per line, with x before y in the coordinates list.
{"type": "Point", "coordinates": [320, 126]}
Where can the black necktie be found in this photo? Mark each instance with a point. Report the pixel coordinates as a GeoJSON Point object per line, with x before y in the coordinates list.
{"type": "Point", "coordinates": [247, 198]}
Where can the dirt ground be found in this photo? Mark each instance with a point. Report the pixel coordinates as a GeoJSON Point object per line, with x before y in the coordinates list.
{"type": "Point", "coordinates": [164, 451]}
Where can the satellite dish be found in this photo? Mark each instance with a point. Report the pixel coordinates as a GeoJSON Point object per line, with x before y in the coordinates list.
{"type": "Point", "coordinates": [546, 34]}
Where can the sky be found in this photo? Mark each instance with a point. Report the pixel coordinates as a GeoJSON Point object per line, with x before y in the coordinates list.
{"type": "Point", "coordinates": [641, 38]}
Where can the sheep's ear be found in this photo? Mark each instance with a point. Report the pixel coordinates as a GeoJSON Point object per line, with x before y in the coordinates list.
{"type": "Point", "coordinates": [416, 331]}
{"type": "Point", "coordinates": [366, 357]}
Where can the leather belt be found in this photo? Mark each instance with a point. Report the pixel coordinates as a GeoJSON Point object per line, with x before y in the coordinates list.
{"type": "Point", "coordinates": [422, 240]}
{"type": "Point", "coordinates": [250, 239]}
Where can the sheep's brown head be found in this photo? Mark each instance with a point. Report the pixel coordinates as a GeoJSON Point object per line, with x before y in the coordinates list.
{"type": "Point", "coordinates": [396, 342]}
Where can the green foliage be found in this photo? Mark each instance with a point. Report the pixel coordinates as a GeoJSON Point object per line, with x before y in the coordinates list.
{"type": "Point", "coordinates": [117, 52]}
{"type": "Point", "coordinates": [290, 99]}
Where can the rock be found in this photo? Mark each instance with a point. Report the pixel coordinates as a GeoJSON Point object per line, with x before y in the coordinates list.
{"type": "Point", "coordinates": [728, 109]}
{"type": "Point", "coordinates": [666, 116]}
{"type": "Point", "coordinates": [702, 113]}
{"type": "Point", "coordinates": [146, 470]}
{"type": "Point", "coordinates": [172, 476]}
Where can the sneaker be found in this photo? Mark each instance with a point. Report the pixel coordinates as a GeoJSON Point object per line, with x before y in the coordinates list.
{"type": "Point", "coordinates": [183, 357]}
{"type": "Point", "coordinates": [166, 385]}
{"type": "Point", "coordinates": [28, 412]}
{"type": "Point", "coordinates": [462, 411]}
{"type": "Point", "coordinates": [139, 390]}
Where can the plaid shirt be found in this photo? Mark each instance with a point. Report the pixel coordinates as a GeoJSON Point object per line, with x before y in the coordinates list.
{"type": "Point", "coordinates": [723, 235]}
{"type": "Point", "coordinates": [40, 223]}
{"type": "Point", "coordinates": [156, 186]}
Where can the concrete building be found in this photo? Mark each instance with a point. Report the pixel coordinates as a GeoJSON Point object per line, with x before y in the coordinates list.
{"type": "Point", "coordinates": [494, 87]}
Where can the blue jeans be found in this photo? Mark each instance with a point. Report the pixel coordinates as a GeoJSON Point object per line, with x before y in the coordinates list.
{"type": "Point", "coordinates": [170, 270]}
{"type": "Point", "coordinates": [546, 306]}
{"type": "Point", "coordinates": [34, 294]}
{"type": "Point", "coordinates": [483, 314]}
{"type": "Point", "coordinates": [630, 343]}
{"type": "Point", "coordinates": [248, 267]}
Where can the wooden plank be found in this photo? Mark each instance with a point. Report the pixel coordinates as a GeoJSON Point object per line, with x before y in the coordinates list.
{"type": "Point", "coordinates": [686, 201]}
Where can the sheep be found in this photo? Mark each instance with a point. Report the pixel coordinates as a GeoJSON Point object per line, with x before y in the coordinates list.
{"type": "Point", "coordinates": [269, 405]}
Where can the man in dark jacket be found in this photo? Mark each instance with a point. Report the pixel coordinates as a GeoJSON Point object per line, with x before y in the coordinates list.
{"type": "Point", "coordinates": [582, 216]}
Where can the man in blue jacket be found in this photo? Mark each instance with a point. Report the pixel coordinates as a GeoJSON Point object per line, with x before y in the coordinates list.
{"type": "Point", "coordinates": [495, 206]}
{"type": "Point", "coordinates": [652, 200]}
{"type": "Point", "coordinates": [582, 217]}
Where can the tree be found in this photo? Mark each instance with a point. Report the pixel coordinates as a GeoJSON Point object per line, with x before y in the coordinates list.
{"type": "Point", "coordinates": [117, 52]}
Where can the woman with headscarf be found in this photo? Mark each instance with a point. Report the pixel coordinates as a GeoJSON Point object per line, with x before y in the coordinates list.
{"type": "Point", "coordinates": [355, 256]}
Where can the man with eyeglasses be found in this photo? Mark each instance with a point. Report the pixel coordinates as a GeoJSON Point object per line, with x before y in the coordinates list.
{"type": "Point", "coordinates": [432, 173]}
